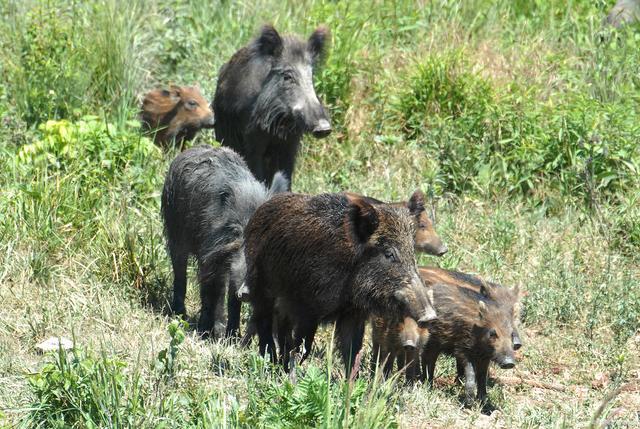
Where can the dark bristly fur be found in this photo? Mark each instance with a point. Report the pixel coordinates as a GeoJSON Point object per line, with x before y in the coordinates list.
{"type": "Point", "coordinates": [208, 197]}
{"type": "Point", "coordinates": [174, 116]}
{"type": "Point", "coordinates": [265, 100]}
{"type": "Point", "coordinates": [329, 258]}
{"type": "Point", "coordinates": [426, 238]}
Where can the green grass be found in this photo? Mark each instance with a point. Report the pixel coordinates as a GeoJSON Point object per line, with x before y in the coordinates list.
{"type": "Point", "coordinates": [518, 118]}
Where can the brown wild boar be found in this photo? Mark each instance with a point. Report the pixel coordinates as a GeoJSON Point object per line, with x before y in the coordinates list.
{"type": "Point", "coordinates": [174, 116]}
{"type": "Point", "coordinates": [472, 328]}
{"type": "Point", "coordinates": [325, 258]}
{"type": "Point", "coordinates": [508, 298]}
{"type": "Point", "coordinates": [425, 239]}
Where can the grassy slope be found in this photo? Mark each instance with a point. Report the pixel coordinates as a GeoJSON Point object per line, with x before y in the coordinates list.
{"type": "Point", "coordinates": [82, 251]}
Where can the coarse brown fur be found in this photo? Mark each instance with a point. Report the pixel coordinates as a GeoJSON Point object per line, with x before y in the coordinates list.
{"type": "Point", "coordinates": [174, 116]}
{"type": "Point", "coordinates": [472, 328]}
{"type": "Point", "coordinates": [505, 297]}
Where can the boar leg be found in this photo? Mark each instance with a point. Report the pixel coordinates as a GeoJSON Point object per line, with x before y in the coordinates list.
{"type": "Point", "coordinates": [460, 369]}
{"type": "Point", "coordinates": [429, 358]}
{"type": "Point", "coordinates": [469, 383]}
{"type": "Point", "coordinates": [303, 335]}
{"type": "Point", "coordinates": [263, 319]}
{"type": "Point", "coordinates": [179, 261]}
{"type": "Point", "coordinates": [413, 365]}
{"type": "Point", "coordinates": [250, 331]}
{"type": "Point", "coordinates": [285, 340]}
{"type": "Point", "coordinates": [212, 288]}
{"type": "Point", "coordinates": [482, 370]}
{"type": "Point", "coordinates": [286, 160]}
{"type": "Point", "coordinates": [349, 333]}
{"type": "Point", "coordinates": [377, 355]}
{"type": "Point", "coordinates": [255, 159]}
{"type": "Point", "coordinates": [233, 312]}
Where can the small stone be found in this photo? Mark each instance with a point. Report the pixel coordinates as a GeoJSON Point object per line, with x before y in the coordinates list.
{"type": "Point", "coordinates": [54, 344]}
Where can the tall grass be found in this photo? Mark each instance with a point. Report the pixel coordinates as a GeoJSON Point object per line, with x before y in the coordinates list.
{"type": "Point", "coordinates": [65, 59]}
{"type": "Point", "coordinates": [520, 117]}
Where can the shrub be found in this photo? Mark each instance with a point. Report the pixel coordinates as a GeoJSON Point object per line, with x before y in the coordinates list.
{"type": "Point", "coordinates": [505, 140]}
{"type": "Point", "coordinates": [79, 389]}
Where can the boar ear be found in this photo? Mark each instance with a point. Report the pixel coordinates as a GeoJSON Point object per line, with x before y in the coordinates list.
{"type": "Point", "coordinates": [484, 291]}
{"type": "Point", "coordinates": [516, 292]}
{"type": "Point", "coordinates": [482, 307]}
{"type": "Point", "coordinates": [317, 43]}
{"type": "Point", "coordinates": [279, 184]}
{"type": "Point", "coordinates": [269, 42]}
{"type": "Point", "coordinates": [363, 218]}
{"type": "Point", "coordinates": [416, 203]}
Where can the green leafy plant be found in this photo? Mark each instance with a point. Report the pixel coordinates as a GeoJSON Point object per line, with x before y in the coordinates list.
{"type": "Point", "coordinates": [80, 389]}
{"type": "Point", "coordinates": [168, 358]}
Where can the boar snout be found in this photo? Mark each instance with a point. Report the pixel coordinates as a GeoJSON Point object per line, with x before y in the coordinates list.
{"type": "Point", "coordinates": [418, 303]}
{"type": "Point", "coordinates": [508, 362]}
{"type": "Point", "coordinates": [209, 122]}
{"type": "Point", "coordinates": [430, 311]}
{"type": "Point", "coordinates": [515, 339]}
{"type": "Point", "coordinates": [442, 250]}
{"type": "Point", "coordinates": [433, 247]}
{"type": "Point", "coordinates": [409, 346]}
{"type": "Point", "coordinates": [243, 293]}
{"type": "Point", "coordinates": [322, 129]}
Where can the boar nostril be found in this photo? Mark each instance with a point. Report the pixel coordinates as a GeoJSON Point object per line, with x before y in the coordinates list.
{"type": "Point", "coordinates": [409, 348]}
{"type": "Point", "coordinates": [322, 129]}
{"type": "Point", "coordinates": [442, 251]}
{"type": "Point", "coordinates": [517, 345]}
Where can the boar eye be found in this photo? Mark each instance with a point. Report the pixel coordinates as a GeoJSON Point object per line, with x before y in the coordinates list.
{"type": "Point", "coordinates": [390, 255]}
{"type": "Point", "coordinates": [192, 104]}
{"type": "Point", "coordinates": [493, 334]}
{"type": "Point", "coordinates": [422, 225]}
{"type": "Point", "coordinates": [287, 76]}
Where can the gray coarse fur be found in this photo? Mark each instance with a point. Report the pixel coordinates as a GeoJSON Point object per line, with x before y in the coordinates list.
{"type": "Point", "coordinates": [208, 197]}
{"type": "Point", "coordinates": [624, 12]}
{"type": "Point", "coordinates": [265, 100]}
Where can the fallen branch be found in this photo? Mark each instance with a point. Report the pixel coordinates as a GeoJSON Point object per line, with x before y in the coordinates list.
{"type": "Point", "coordinates": [516, 381]}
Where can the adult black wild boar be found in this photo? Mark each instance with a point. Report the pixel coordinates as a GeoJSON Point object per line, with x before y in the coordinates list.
{"type": "Point", "coordinates": [330, 257]}
{"type": "Point", "coordinates": [265, 100]}
{"type": "Point", "coordinates": [208, 197]}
